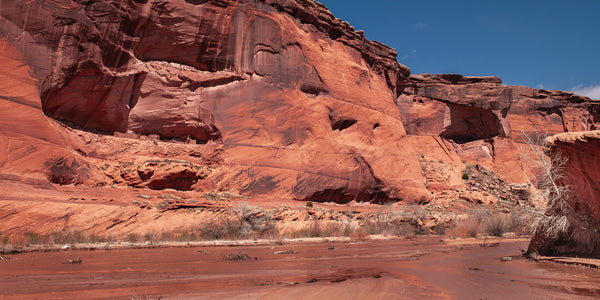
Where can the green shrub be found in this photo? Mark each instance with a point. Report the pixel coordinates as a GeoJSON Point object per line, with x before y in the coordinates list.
{"type": "Point", "coordinates": [465, 176]}
{"type": "Point", "coordinates": [309, 204]}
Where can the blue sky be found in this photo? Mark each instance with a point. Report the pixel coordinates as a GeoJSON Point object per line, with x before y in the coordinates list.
{"type": "Point", "coordinates": [544, 44]}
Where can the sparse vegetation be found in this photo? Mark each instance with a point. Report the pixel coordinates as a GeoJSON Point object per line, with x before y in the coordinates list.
{"type": "Point", "coordinates": [249, 222]}
{"type": "Point", "coordinates": [58, 237]}
{"type": "Point", "coordinates": [520, 222]}
{"type": "Point", "coordinates": [237, 257]}
{"type": "Point", "coordinates": [220, 196]}
{"type": "Point", "coordinates": [73, 237]}
{"type": "Point", "coordinates": [309, 204]}
{"type": "Point", "coordinates": [496, 225]}
{"type": "Point", "coordinates": [133, 237]}
{"type": "Point", "coordinates": [485, 221]}
{"type": "Point", "coordinates": [134, 296]}
{"type": "Point", "coordinates": [468, 227]}
{"type": "Point", "coordinates": [560, 223]}
{"type": "Point", "coordinates": [162, 205]}
{"type": "Point", "coordinates": [170, 197]}
{"type": "Point", "coordinates": [34, 238]}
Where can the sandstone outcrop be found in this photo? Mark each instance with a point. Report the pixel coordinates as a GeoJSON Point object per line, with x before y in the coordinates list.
{"type": "Point", "coordinates": [455, 107]}
{"type": "Point", "coordinates": [31, 145]}
{"type": "Point", "coordinates": [470, 115]}
{"type": "Point", "coordinates": [468, 108]}
{"type": "Point", "coordinates": [580, 174]}
{"type": "Point", "coordinates": [551, 112]}
{"type": "Point", "coordinates": [260, 78]}
{"type": "Point", "coordinates": [482, 120]}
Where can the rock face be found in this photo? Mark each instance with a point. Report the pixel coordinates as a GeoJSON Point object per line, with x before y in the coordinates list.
{"type": "Point", "coordinates": [258, 97]}
{"type": "Point", "coordinates": [582, 238]}
{"type": "Point", "coordinates": [259, 78]}
{"type": "Point", "coordinates": [470, 114]}
{"type": "Point", "coordinates": [455, 107]}
{"type": "Point", "coordinates": [551, 111]}
{"type": "Point", "coordinates": [484, 119]}
{"type": "Point", "coordinates": [33, 145]}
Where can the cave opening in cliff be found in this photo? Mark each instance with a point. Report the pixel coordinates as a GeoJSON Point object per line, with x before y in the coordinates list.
{"type": "Point", "coordinates": [343, 123]}
{"type": "Point", "coordinates": [339, 122]}
{"type": "Point", "coordinates": [470, 124]}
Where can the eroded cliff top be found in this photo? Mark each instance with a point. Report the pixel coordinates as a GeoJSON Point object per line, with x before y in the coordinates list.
{"type": "Point", "coordinates": [454, 78]}
{"type": "Point", "coordinates": [573, 137]}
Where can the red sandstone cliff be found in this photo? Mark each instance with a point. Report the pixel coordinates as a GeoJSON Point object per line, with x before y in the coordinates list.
{"type": "Point", "coordinates": [272, 97]}
{"type": "Point", "coordinates": [244, 95]}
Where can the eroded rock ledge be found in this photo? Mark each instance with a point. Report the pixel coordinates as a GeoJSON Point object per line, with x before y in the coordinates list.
{"type": "Point", "coordinates": [456, 107]}
{"type": "Point", "coordinates": [379, 56]}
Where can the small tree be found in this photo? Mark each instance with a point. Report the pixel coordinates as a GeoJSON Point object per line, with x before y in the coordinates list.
{"type": "Point", "coordinates": [560, 230]}
{"type": "Point", "coordinates": [549, 171]}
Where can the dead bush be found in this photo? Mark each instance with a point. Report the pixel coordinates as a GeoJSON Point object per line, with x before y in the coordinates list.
{"type": "Point", "coordinates": [522, 221]}
{"type": "Point", "coordinates": [34, 238]}
{"type": "Point", "coordinates": [316, 229]}
{"type": "Point", "coordinates": [69, 237]}
{"type": "Point", "coordinates": [496, 225]}
{"type": "Point", "coordinates": [133, 237]}
{"type": "Point", "coordinates": [468, 227]}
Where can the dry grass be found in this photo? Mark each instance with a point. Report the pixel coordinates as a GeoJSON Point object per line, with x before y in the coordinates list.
{"type": "Point", "coordinates": [496, 225]}
{"type": "Point", "coordinates": [488, 222]}
{"type": "Point", "coordinates": [248, 222]}
{"type": "Point", "coordinates": [317, 228]}
{"type": "Point", "coordinates": [521, 222]}
{"type": "Point", "coordinates": [468, 227]}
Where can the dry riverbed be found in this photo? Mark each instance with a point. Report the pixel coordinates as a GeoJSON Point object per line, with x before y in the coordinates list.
{"type": "Point", "coordinates": [422, 267]}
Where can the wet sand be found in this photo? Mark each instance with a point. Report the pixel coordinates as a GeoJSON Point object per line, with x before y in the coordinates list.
{"type": "Point", "coordinates": [424, 267]}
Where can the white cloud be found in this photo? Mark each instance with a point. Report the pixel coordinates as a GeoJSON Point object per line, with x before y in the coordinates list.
{"type": "Point", "coordinates": [592, 91]}
{"type": "Point", "coordinates": [413, 52]}
{"type": "Point", "coordinates": [539, 86]}
{"type": "Point", "coordinates": [419, 25]}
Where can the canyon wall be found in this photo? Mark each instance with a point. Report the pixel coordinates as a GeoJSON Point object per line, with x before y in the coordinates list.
{"type": "Point", "coordinates": [269, 97]}
{"type": "Point", "coordinates": [243, 96]}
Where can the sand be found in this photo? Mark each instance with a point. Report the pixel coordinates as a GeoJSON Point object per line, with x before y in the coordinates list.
{"type": "Point", "coordinates": [423, 267]}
